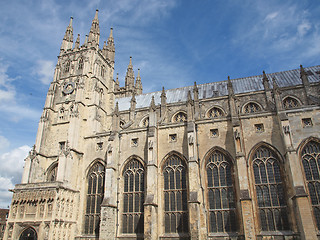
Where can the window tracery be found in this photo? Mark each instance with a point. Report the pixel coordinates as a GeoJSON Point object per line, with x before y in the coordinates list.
{"type": "Point", "coordinates": [252, 107]}
{"type": "Point", "coordinates": [269, 188]}
{"type": "Point", "coordinates": [290, 102]}
{"type": "Point", "coordinates": [133, 198]}
{"type": "Point", "coordinates": [220, 193]}
{"type": "Point", "coordinates": [175, 196]}
{"type": "Point", "coordinates": [215, 112]}
{"type": "Point", "coordinates": [94, 199]}
{"type": "Point", "coordinates": [180, 117]}
{"type": "Point", "coordinates": [311, 163]}
{"type": "Point", "coordinates": [67, 67]}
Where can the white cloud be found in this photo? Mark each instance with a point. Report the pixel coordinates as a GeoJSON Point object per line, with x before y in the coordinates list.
{"type": "Point", "coordinates": [11, 170]}
{"type": "Point", "coordinates": [303, 28]}
{"type": "Point", "coordinates": [271, 16]}
{"type": "Point", "coordinates": [4, 143]}
{"type": "Point", "coordinates": [44, 69]}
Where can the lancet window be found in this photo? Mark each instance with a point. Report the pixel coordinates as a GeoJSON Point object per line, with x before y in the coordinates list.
{"type": "Point", "coordinates": [290, 102]}
{"type": "Point", "coordinates": [133, 198]}
{"type": "Point", "coordinates": [215, 112]}
{"type": "Point", "coordinates": [252, 107]}
{"type": "Point", "coordinates": [175, 195]}
{"type": "Point", "coordinates": [80, 64]}
{"type": "Point", "coordinates": [269, 186]}
{"type": "Point", "coordinates": [220, 193]}
{"type": "Point", "coordinates": [94, 199]}
{"type": "Point", "coordinates": [311, 162]}
{"type": "Point", "coordinates": [67, 67]}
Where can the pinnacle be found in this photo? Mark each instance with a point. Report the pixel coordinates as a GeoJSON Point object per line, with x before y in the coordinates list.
{"type": "Point", "coordinates": [96, 16]}
{"type": "Point", "coordinates": [70, 23]}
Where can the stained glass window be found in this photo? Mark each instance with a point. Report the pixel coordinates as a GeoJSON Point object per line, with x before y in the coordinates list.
{"type": "Point", "coordinates": [252, 107]}
{"type": "Point", "coordinates": [311, 163]}
{"type": "Point", "coordinates": [269, 188]}
{"type": "Point", "coordinates": [94, 199]}
{"type": "Point", "coordinates": [175, 196]}
{"type": "Point", "coordinates": [220, 193]}
{"type": "Point", "coordinates": [133, 198]}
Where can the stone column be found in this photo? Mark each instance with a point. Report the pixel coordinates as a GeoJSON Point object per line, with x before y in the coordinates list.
{"type": "Point", "coordinates": [108, 222]}
{"type": "Point", "coordinates": [194, 184]}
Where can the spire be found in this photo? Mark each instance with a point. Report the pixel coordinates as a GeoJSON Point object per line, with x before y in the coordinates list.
{"type": "Point", "coordinates": [195, 92]}
{"type": "Point", "coordinates": [94, 34]}
{"type": "Point", "coordinates": [77, 44]}
{"type": "Point", "coordinates": [110, 47]}
{"type": "Point", "coordinates": [265, 81]}
{"type": "Point", "coordinates": [304, 76]}
{"type": "Point", "coordinates": [138, 85]}
{"type": "Point", "coordinates": [117, 84]}
{"type": "Point", "coordinates": [67, 41]}
{"type": "Point", "coordinates": [230, 88]}
{"type": "Point", "coordinates": [163, 97]}
{"type": "Point", "coordinates": [152, 104]}
{"type": "Point", "coordinates": [129, 80]}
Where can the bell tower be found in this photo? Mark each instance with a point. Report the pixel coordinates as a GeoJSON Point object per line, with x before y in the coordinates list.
{"type": "Point", "coordinates": [79, 102]}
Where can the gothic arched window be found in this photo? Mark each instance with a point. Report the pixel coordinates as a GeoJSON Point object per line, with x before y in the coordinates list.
{"type": "Point", "coordinates": [269, 188]}
{"type": "Point", "coordinates": [52, 175]}
{"type": "Point", "coordinates": [94, 199]}
{"type": "Point", "coordinates": [133, 197]}
{"type": "Point", "coordinates": [175, 195]}
{"type": "Point", "coordinates": [311, 163]}
{"type": "Point", "coordinates": [290, 102]}
{"type": "Point", "coordinates": [252, 107]}
{"type": "Point", "coordinates": [221, 198]}
{"type": "Point", "coordinates": [215, 112]}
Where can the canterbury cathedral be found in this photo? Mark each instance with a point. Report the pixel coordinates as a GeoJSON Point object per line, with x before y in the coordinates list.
{"type": "Point", "coordinates": [234, 159]}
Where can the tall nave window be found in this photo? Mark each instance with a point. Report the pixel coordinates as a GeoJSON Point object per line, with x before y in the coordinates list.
{"type": "Point", "coordinates": [269, 187]}
{"type": "Point", "coordinates": [222, 212]}
{"type": "Point", "coordinates": [175, 196]}
{"type": "Point", "coordinates": [311, 164]}
{"type": "Point", "coordinates": [94, 199]}
{"type": "Point", "coordinates": [133, 198]}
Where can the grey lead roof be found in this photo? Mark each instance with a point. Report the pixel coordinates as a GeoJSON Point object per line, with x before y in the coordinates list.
{"type": "Point", "coordinates": [214, 89]}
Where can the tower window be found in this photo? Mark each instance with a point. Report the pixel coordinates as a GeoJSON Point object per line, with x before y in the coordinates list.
{"type": "Point", "coordinates": [214, 133]}
{"type": "Point", "coordinates": [259, 128]}
{"type": "Point", "coordinates": [175, 196]}
{"type": "Point", "coordinates": [67, 67]}
{"type": "Point", "coordinates": [52, 175]}
{"type": "Point", "coordinates": [307, 122]}
{"type": "Point", "coordinates": [80, 66]}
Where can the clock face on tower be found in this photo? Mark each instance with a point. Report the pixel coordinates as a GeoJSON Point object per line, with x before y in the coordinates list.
{"type": "Point", "coordinates": [68, 88]}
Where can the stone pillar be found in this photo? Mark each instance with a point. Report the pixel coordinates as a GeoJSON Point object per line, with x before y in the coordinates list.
{"type": "Point", "coordinates": [194, 183]}
{"type": "Point", "coordinates": [302, 206]}
{"type": "Point", "coordinates": [108, 222]}
{"type": "Point", "coordinates": [245, 199]}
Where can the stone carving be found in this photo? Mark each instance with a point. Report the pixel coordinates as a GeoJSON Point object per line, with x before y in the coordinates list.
{"type": "Point", "coordinates": [190, 140]}
{"type": "Point", "coordinates": [237, 134]}
{"type": "Point", "coordinates": [286, 129]}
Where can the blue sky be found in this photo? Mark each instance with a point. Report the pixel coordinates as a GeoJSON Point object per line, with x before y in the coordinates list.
{"type": "Point", "coordinates": [173, 42]}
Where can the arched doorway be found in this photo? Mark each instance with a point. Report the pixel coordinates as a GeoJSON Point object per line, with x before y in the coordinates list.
{"type": "Point", "coordinates": [28, 234]}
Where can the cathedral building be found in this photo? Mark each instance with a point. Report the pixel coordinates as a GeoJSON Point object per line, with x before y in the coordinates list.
{"type": "Point", "coordinates": [235, 159]}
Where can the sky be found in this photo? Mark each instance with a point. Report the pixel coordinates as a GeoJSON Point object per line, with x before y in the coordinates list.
{"type": "Point", "coordinates": [173, 42]}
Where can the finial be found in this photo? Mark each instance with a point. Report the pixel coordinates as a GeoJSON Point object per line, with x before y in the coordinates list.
{"type": "Point", "coordinates": [130, 62]}
{"type": "Point", "coordinates": [189, 96]}
{"type": "Point", "coordinates": [86, 40]}
{"type": "Point", "coordinates": [138, 73]}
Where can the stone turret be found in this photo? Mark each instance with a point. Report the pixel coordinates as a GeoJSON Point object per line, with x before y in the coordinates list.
{"type": "Point", "coordinates": [94, 34]}
{"type": "Point", "coordinates": [67, 41]}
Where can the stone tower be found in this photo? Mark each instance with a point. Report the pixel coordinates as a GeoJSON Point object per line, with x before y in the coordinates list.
{"type": "Point", "coordinates": [78, 104]}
